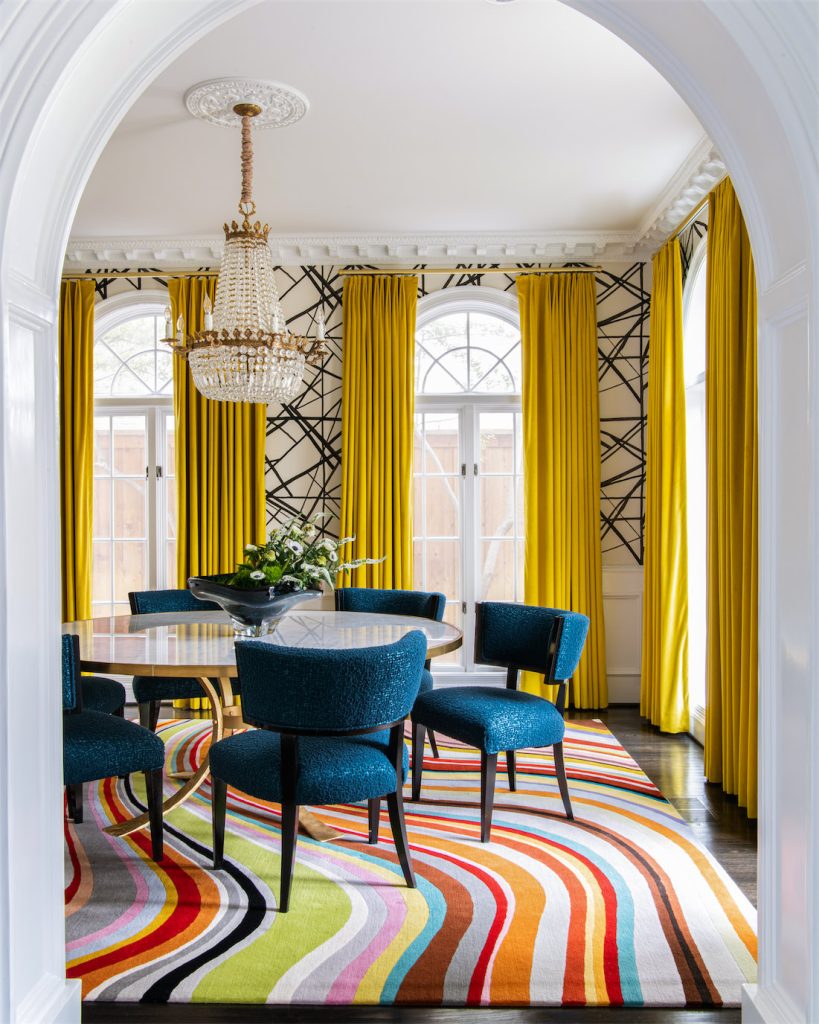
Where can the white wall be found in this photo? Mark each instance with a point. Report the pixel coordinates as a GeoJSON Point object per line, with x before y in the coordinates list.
{"type": "Point", "coordinates": [71, 69]}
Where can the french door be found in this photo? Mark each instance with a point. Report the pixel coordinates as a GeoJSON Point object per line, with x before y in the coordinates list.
{"type": "Point", "coordinates": [134, 504]}
{"type": "Point", "coordinates": [468, 509]}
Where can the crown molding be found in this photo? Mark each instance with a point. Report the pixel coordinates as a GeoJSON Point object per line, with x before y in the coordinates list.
{"type": "Point", "coordinates": [398, 249]}
{"type": "Point", "coordinates": [698, 174]}
{"type": "Point", "coordinates": [701, 170]}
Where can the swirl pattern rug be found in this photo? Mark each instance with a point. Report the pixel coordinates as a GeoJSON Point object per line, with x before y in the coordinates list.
{"type": "Point", "coordinates": [620, 907]}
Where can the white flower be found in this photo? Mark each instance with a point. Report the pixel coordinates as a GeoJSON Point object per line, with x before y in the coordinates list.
{"type": "Point", "coordinates": [249, 548]}
{"type": "Point", "coordinates": [294, 546]}
{"type": "Point", "coordinates": [333, 556]}
{"type": "Point", "coordinates": [327, 544]}
{"type": "Point", "coordinates": [257, 575]}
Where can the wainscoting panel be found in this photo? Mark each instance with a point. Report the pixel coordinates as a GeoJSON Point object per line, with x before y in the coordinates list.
{"type": "Point", "coordinates": [622, 609]}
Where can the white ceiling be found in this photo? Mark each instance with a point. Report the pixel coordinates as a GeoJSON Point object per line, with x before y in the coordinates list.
{"type": "Point", "coordinates": [449, 116]}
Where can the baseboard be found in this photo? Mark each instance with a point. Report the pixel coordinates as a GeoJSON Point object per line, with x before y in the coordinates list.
{"type": "Point", "coordinates": [52, 1001]}
{"type": "Point", "coordinates": [769, 1006]}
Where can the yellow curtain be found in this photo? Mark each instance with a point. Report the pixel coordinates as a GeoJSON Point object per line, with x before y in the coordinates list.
{"type": "Point", "coordinates": [664, 677]}
{"type": "Point", "coordinates": [219, 460]}
{"type": "Point", "coordinates": [561, 454]}
{"type": "Point", "coordinates": [378, 402]}
{"type": "Point", "coordinates": [732, 445]}
{"type": "Point", "coordinates": [76, 362]}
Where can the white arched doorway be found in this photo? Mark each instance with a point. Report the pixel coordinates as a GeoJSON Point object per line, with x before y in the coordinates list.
{"type": "Point", "coordinates": [71, 70]}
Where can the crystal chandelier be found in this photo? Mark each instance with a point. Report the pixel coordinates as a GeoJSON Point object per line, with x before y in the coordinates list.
{"type": "Point", "coordinates": [246, 352]}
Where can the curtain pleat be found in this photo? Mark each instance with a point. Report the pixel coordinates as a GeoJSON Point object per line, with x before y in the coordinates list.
{"type": "Point", "coordinates": [76, 369]}
{"type": "Point", "coordinates": [219, 460]}
{"type": "Point", "coordinates": [732, 460]}
{"type": "Point", "coordinates": [378, 402]}
{"type": "Point", "coordinates": [561, 454]}
{"type": "Point", "coordinates": [664, 674]}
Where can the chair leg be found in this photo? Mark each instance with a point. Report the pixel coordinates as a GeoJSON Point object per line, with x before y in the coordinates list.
{"type": "Point", "coordinates": [433, 744]}
{"type": "Point", "coordinates": [418, 732]}
{"type": "Point", "coordinates": [489, 767]}
{"type": "Point", "coordinates": [74, 794]}
{"type": "Point", "coordinates": [395, 805]}
{"type": "Point", "coordinates": [510, 769]}
{"type": "Point", "coordinates": [562, 781]}
{"type": "Point", "coordinates": [374, 816]}
{"type": "Point", "coordinates": [153, 788]}
{"type": "Point", "coordinates": [218, 806]}
{"type": "Point", "coordinates": [290, 835]}
{"type": "Point", "coordinates": [149, 714]}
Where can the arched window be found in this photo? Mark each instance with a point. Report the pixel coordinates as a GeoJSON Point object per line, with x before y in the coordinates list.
{"type": "Point", "coordinates": [134, 527]}
{"type": "Point", "coordinates": [468, 469]}
{"type": "Point", "coordinates": [694, 369]}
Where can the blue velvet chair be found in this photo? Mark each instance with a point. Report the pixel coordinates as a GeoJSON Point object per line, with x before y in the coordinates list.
{"type": "Point", "coordinates": [97, 745]}
{"type": "Point", "coordinates": [420, 603]}
{"type": "Point", "coordinates": [102, 694]}
{"type": "Point", "coordinates": [517, 637]}
{"type": "Point", "coordinates": [330, 730]}
{"type": "Point", "coordinates": [150, 691]}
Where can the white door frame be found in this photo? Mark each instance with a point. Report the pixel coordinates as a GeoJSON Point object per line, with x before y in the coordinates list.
{"type": "Point", "coordinates": [70, 72]}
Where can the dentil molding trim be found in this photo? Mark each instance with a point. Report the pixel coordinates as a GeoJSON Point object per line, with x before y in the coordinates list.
{"type": "Point", "coordinates": [697, 176]}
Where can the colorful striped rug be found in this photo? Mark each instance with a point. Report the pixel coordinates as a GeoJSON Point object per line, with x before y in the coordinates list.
{"type": "Point", "coordinates": [622, 906]}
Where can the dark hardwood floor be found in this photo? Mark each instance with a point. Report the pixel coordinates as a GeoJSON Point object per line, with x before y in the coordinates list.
{"type": "Point", "coordinates": [674, 763]}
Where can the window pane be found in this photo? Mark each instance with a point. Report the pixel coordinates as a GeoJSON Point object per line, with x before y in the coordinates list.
{"type": "Point", "coordinates": [170, 499]}
{"type": "Point", "coordinates": [443, 565]}
{"type": "Point", "coordinates": [102, 507]}
{"type": "Point", "coordinates": [441, 443]}
{"type": "Point", "coordinates": [497, 506]}
{"type": "Point", "coordinates": [441, 356]}
{"type": "Point", "coordinates": [129, 567]}
{"type": "Point", "coordinates": [129, 446]}
{"type": "Point", "coordinates": [443, 506]}
{"type": "Point", "coordinates": [102, 444]}
{"type": "Point", "coordinates": [497, 442]}
{"type": "Point", "coordinates": [170, 564]}
{"type": "Point", "coordinates": [101, 572]}
{"type": "Point", "coordinates": [497, 571]}
{"type": "Point", "coordinates": [130, 508]}
{"type": "Point", "coordinates": [418, 507]}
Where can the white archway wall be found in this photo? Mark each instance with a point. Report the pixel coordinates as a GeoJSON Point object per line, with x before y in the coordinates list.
{"type": "Point", "coordinates": [748, 70]}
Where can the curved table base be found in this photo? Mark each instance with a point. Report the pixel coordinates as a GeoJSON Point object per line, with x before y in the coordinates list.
{"type": "Point", "coordinates": [227, 716]}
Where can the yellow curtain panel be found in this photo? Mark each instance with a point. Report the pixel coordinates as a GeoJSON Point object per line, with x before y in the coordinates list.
{"type": "Point", "coordinates": [664, 678]}
{"type": "Point", "coordinates": [561, 455]}
{"type": "Point", "coordinates": [732, 456]}
{"type": "Point", "coordinates": [378, 402]}
{"type": "Point", "coordinates": [219, 460]}
{"type": "Point", "coordinates": [76, 366]}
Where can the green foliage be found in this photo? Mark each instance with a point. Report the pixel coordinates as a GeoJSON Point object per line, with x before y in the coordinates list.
{"type": "Point", "coordinates": [295, 557]}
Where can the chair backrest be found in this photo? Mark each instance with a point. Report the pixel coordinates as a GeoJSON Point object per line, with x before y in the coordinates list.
{"type": "Point", "coordinates": [72, 699]}
{"type": "Point", "coordinates": [150, 602]}
{"type": "Point", "coordinates": [518, 636]}
{"type": "Point", "coordinates": [314, 691]}
{"type": "Point", "coordinates": [419, 603]}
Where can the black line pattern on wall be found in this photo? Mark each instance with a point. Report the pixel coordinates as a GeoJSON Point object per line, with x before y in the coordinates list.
{"type": "Point", "coordinates": [303, 459]}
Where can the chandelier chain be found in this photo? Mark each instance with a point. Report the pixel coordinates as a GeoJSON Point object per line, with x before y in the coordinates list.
{"type": "Point", "coordinates": [247, 206]}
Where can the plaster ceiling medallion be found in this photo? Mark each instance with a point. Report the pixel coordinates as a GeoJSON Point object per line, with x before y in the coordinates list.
{"type": "Point", "coordinates": [215, 101]}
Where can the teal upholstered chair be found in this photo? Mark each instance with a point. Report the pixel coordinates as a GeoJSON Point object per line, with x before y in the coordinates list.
{"type": "Point", "coordinates": [98, 746]}
{"type": "Point", "coordinates": [518, 637]}
{"type": "Point", "coordinates": [150, 691]}
{"type": "Point", "coordinates": [420, 603]}
{"type": "Point", "coordinates": [102, 694]}
{"type": "Point", "coordinates": [330, 730]}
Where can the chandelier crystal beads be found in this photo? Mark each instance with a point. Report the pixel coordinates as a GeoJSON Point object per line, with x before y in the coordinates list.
{"type": "Point", "coordinates": [246, 353]}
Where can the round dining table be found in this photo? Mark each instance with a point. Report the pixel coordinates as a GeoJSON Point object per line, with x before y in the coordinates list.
{"type": "Point", "coordinates": [201, 645]}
